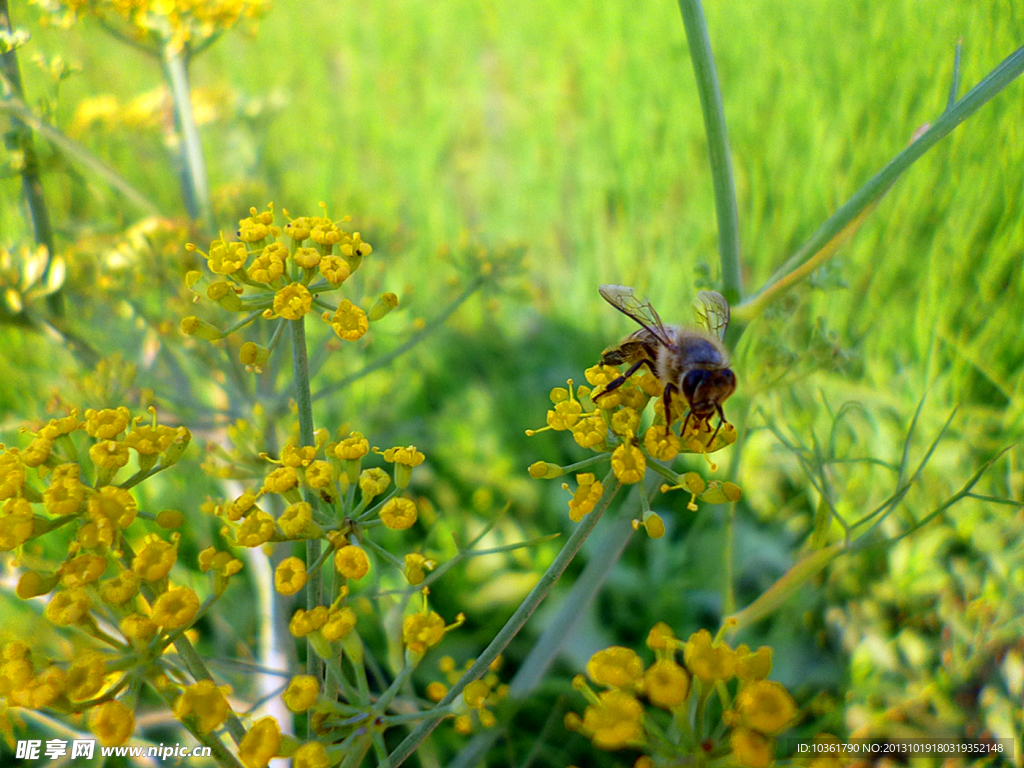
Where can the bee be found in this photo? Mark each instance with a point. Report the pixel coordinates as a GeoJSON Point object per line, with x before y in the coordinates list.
{"type": "Point", "coordinates": [691, 361]}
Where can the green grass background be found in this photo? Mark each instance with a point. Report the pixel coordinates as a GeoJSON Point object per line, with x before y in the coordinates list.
{"type": "Point", "coordinates": [574, 129]}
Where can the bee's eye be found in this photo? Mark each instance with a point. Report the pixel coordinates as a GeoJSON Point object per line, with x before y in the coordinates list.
{"type": "Point", "coordinates": [691, 381]}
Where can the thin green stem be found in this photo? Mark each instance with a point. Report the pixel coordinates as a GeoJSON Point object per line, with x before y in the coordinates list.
{"type": "Point", "coordinates": [78, 153]}
{"type": "Point", "coordinates": [718, 147]}
{"type": "Point", "coordinates": [194, 184]}
{"type": "Point", "coordinates": [300, 365]}
{"type": "Point", "coordinates": [413, 340]}
{"type": "Point", "coordinates": [515, 623]}
{"type": "Point", "coordinates": [31, 185]}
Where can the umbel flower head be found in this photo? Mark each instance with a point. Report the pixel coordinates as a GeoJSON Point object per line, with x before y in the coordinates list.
{"type": "Point", "coordinates": [611, 426]}
{"type": "Point", "coordinates": [283, 273]}
{"type": "Point", "coordinates": [624, 712]}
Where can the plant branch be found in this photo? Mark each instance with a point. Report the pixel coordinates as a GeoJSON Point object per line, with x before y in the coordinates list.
{"type": "Point", "coordinates": [515, 623]}
{"type": "Point", "coordinates": [718, 148]}
{"type": "Point", "coordinates": [849, 216]}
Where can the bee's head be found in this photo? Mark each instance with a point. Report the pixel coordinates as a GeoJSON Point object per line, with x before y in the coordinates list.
{"type": "Point", "coordinates": [705, 391]}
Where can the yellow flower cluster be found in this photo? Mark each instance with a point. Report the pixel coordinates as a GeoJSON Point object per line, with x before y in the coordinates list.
{"type": "Point", "coordinates": [610, 426]}
{"type": "Point", "coordinates": [477, 696]}
{"type": "Point", "coordinates": [616, 717]}
{"type": "Point", "coordinates": [65, 483]}
{"type": "Point", "coordinates": [177, 22]}
{"type": "Point", "coordinates": [271, 271]}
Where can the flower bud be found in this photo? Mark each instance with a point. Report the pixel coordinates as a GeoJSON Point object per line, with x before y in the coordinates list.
{"type": "Point", "coordinates": [384, 305]}
{"type": "Point", "coordinates": [193, 326]}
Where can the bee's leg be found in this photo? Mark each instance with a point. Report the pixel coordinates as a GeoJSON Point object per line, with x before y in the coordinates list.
{"type": "Point", "coordinates": [721, 421]}
{"type": "Point", "coordinates": [616, 383]}
{"type": "Point", "coordinates": [666, 400]}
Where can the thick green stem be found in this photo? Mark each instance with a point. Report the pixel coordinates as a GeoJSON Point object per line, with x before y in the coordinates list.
{"type": "Point", "coordinates": [718, 148]}
{"type": "Point", "coordinates": [300, 364]}
{"type": "Point", "coordinates": [515, 623]}
{"type": "Point", "coordinates": [32, 186]}
{"type": "Point", "coordinates": [194, 184]}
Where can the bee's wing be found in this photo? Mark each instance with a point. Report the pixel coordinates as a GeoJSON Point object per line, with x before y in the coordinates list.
{"type": "Point", "coordinates": [712, 312]}
{"type": "Point", "coordinates": [623, 299]}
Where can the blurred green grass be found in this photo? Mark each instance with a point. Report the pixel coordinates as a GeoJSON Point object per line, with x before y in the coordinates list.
{"type": "Point", "coordinates": [574, 128]}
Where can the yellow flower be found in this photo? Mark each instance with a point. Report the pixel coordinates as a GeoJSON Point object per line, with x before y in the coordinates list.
{"type": "Point", "coordinates": [65, 494]}
{"type": "Point", "coordinates": [753, 666]}
{"type": "Point", "coordinates": [307, 258]}
{"type": "Point", "coordinates": [137, 627]}
{"type": "Point", "coordinates": [109, 454]}
{"type": "Point", "coordinates": [398, 514]}
{"type": "Point", "coordinates": [119, 590]}
{"type": "Point", "coordinates": [766, 706]}
{"type": "Point", "coordinates": [37, 452]}
{"type": "Point", "coordinates": [68, 606]}
{"type": "Point", "coordinates": [241, 505]}
{"type": "Point", "coordinates": [319, 474]}
{"type": "Point", "coordinates": [422, 630]}
{"type": "Point", "coordinates": [408, 456]}
{"type": "Point", "coordinates": [150, 440]}
{"type": "Point", "coordinates": [340, 621]}
{"type": "Point", "coordinates": [114, 504]}
{"type": "Point", "coordinates": [312, 754]}
{"type": "Point", "coordinates": [625, 421]}
{"type": "Point", "coordinates": [617, 667]}
{"type": "Point", "coordinates": [260, 744]}
{"type": "Point", "coordinates": [86, 676]}
{"type": "Point", "coordinates": [351, 562]}
{"type": "Point", "coordinates": [290, 576]}
{"type": "Point", "coordinates": [565, 415]}
{"type": "Point", "coordinates": [156, 558]}
{"type": "Point", "coordinates": [297, 521]}
{"type": "Point", "coordinates": [615, 721]}
{"type": "Point", "coordinates": [293, 301]}
{"type": "Point", "coordinates": [751, 749]}
{"type": "Point", "coordinates": [269, 265]}
{"type": "Point", "coordinates": [661, 443]}
{"type": "Point", "coordinates": [628, 464]}
{"type": "Point", "coordinates": [12, 475]}
{"type": "Point", "coordinates": [82, 570]}
{"type": "Point", "coordinates": [666, 684]}
{"type": "Point", "coordinates": [353, 447]}
{"type": "Point", "coordinates": [586, 496]}
{"type": "Point", "coordinates": [301, 693]}
{"type": "Point", "coordinates": [226, 258]}
{"type": "Point", "coordinates": [108, 423]}
{"type": "Point", "coordinates": [223, 563]}
{"type": "Point", "coordinates": [16, 523]}
{"type": "Point", "coordinates": [416, 566]}
{"type": "Point", "coordinates": [708, 661]}
{"type": "Point", "coordinates": [48, 686]}
{"type": "Point", "coordinates": [335, 269]}
{"type": "Point", "coordinates": [112, 722]}
{"type": "Point", "coordinates": [175, 608]}
{"type": "Point", "coordinates": [281, 480]}
{"type": "Point", "coordinates": [303, 622]}
{"type": "Point", "coordinates": [203, 705]}
{"type": "Point", "coordinates": [348, 321]}
{"type": "Point", "coordinates": [57, 427]}
{"type": "Point", "coordinates": [590, 431]}
{"type": "Point", "coordinates": [256, 529]}
{"type": "Point", "coordinates": [436, 691]}
{"type": "Point", "coordinates": [373, 482]}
